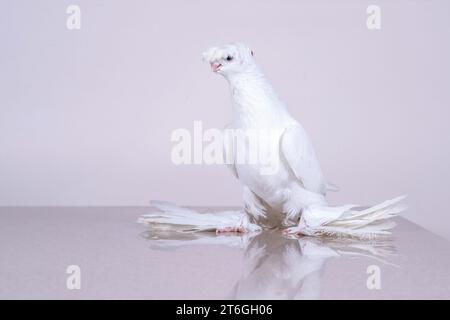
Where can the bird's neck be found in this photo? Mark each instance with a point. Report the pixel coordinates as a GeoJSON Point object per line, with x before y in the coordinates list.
{"type": "Point", "coordinates": [255, 102]}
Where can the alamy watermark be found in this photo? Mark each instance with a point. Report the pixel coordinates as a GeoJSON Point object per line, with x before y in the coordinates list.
{"type": "Point", "coordinates": [373, 21]}
{"type": "Point", "coordinates": [374, 279]}
{"type": "Point", "coordinates": [73, 281]}
{"type": "Point", "coordinates": [258, 147]}
{"type": "Point", "coordinates": [73, 21]}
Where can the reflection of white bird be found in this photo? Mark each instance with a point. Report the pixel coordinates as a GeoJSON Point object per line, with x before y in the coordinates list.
{"type": "Point", "coordinates": [280, 268]}
{"type": "Point", "coordinates": [293, 195]}
{"type": "Point", "coordinates": [276, 267]}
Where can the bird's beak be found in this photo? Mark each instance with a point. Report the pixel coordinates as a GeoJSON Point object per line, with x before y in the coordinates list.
{"type": "Point", "coordinates": [215, 66]}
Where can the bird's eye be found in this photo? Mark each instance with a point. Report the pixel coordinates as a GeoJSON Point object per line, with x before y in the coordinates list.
{"type": "Point", "coordinates": [229, 58]}
{"type": "Point", "coordinates": [252, 53]}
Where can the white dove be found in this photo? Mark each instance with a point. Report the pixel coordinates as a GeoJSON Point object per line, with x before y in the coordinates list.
{"type": "Point", "coordinates": [291, 197]}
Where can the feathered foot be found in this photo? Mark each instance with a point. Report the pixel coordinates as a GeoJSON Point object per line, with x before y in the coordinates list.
{"type": "Point", "coordinates": [348, 221]}
{"type": "Point", "coordinates": [178, 219]}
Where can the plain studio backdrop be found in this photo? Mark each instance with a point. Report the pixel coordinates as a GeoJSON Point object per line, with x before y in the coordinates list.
{"type": "Point", "coordinates": [86, 115]}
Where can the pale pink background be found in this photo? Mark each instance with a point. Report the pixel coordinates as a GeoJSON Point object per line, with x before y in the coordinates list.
{"type": "Point", "coordinates": [86, 116]}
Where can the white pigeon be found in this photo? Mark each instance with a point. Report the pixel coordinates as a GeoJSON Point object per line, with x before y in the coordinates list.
{"type": "Point", "coordinates": [292, 197]}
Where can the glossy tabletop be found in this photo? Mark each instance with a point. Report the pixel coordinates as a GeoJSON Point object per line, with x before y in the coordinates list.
{"type": "Point", "coordinates": [117, 258]}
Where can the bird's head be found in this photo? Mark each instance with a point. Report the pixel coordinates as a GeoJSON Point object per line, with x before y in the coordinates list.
{"type": "Point", "coordinates": [230, 59]}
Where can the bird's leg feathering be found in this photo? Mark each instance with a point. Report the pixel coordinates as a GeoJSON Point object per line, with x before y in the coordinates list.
{"type": "Point", "coordinates": [349, 220]}
{"type": "Point", "coordinates": [178, 219]}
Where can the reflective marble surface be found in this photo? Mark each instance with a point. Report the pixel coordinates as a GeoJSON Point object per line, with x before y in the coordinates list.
{"type": "Point", "coordinates": [121, 259]}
